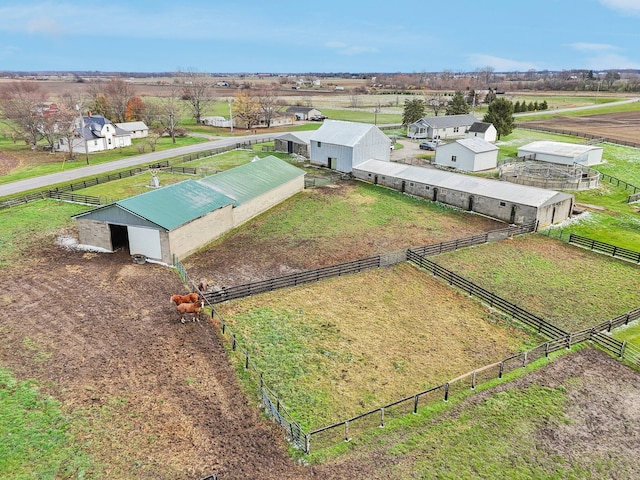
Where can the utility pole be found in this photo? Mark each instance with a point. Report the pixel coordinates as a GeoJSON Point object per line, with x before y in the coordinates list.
{"type": "Point", "coordinates": [230, 116]}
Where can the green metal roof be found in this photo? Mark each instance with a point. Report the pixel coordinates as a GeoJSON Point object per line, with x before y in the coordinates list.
{"type": "Point", "coordinates": [253, 179]}
{"type": "Point", "coordinates": [175, 205]}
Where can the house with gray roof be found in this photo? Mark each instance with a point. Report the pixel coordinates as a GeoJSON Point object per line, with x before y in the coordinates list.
{"type": "Point", "coordinates": [504, 201]}
{"type": "Point", "coordinates": [340, 145]}
{"type": "Point", "coordinates": [176, 220]}
{"type": "Point", "coordinates": [305, 113]}
{"type": "Point", "coordinates": [443, 127]}
{"type": "Point", "coordinates": [95, 133]}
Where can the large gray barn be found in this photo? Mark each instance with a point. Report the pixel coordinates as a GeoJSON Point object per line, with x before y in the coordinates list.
{"type": "Point", "coordinates": [181, 218]}
{"type": "Point", "coordinates": [508, 202]}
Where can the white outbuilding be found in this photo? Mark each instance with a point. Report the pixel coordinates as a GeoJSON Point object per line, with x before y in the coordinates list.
{"type": "Point", "coordinates": [562, 153]}
{"type": "Point", "coordinates": [467, 154]}
{"type": "Point", "coordinates": [485, 131]}
{"type": "Point", "coordinates": [340, 145]}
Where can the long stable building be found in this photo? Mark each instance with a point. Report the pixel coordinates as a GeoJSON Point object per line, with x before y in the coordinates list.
{"type": "Point", "coordinates": [508, 202]}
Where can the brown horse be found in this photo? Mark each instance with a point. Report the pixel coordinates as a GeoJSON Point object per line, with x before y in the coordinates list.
{"type": "Point", "coordinates": [185, 308]}
{"type": "Point", "coordinates": [178, 299]}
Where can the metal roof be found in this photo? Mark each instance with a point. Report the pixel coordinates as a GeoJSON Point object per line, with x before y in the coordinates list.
{"type": "Point", "coordinates": [303, 136]}
{"type": "Point", "coordinates": [177, 204]}
{"type": "Point", "coordinates": [253, 179]}
{"type": "Point", "coordinates": [560, 149]}
{"type": "Point", "coordinates": [510, 192]}
{"type": "Point", "coordinates": [476, 145]}
{"type": "Point", "coordinates": [448, 121]}
{"type": "Point", "coordinates": [338, 132]}
{"type": "Point", "coordinates": [131, 126]}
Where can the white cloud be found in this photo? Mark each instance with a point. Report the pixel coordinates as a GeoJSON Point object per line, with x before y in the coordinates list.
{"type": "Point", "coordinates": [499, 64]}
{"type": "Point", "coordinates": [42, 25]}
{"type": "Point", "coordinates": [592, 47]}
{"type": "Point", "coordinates": [626, 6]}
{"type": "Point", "coordinates": [345, 49]}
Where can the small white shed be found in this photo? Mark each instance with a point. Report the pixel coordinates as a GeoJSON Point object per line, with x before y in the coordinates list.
{"type": "Point", "coordinates": [562, 153]}
{"type": "Point", "coordinates": [485, 131]}
{"type": "Point", "coordinates": [467, 154]}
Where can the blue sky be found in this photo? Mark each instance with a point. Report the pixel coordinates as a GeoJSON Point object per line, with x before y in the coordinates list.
{"type": "Point", "coordinates": [284, 36]}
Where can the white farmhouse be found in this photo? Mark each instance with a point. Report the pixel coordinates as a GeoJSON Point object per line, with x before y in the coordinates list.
{"type": "Point", "coordinates": [467, 154]}
{"type": "Point", "coordinates": [563, 153]}
{"type": "Point", "coordinates": [340, 145]}
{"type": "Point", "coordinates": [94, 133]}
{"type": "Point", "coordinates": [446, 126]}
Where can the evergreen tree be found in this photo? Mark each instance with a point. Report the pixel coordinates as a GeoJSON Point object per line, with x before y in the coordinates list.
{"type": "Point", "coordinates": [458, 104]}
{"type": "Point", "coordinates": [544, 105]}
{"type": "Point", "coordinates": [500, 114]}
{"type": "Point", "coordinates": [516, 107]}
{"type": "Point", "coordinates": [413, 110]}
{"type": "Point", "coordinates": [530, 107]}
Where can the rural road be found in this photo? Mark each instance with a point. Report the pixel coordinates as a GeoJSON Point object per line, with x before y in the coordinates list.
{"type": "Point", "coordinates": [103, 168]}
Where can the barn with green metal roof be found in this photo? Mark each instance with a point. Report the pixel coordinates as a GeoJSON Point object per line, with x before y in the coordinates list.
{"type": "Point", "coordinates": [179, 219]}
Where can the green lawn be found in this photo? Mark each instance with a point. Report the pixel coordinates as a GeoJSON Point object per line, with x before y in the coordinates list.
{"type": "Point", "coordinates": [36, 439]}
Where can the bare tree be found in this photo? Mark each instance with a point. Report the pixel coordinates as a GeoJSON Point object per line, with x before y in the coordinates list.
{"type": "Point", "coordinates": [70, 110]}
{"type": "Point", "coordinates": [268, 102]}
{"type": "Point", "coordinates": [110, 99]}
{"type": "Point", "coordinates": [437, 103]}
{"type": "Point", "coordinates": [169, 112]}
{"type": "Point", "coordinates": [22, 106]}
{"type": "Point", "coordinates": [485, 74]}
{"type": "Point", "coordinates": [197, 92]}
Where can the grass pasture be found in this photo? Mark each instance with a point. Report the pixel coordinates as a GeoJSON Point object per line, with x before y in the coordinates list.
{"type": "Point", "coordinates": [571, 287]}
{"type": "Point", "coordinates": [347, 345]}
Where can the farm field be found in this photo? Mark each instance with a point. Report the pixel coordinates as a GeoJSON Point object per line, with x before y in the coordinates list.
{"type": "Point", "coordinates": [547, 277]}
{"type": "Point", "coordinates": [343, 346]}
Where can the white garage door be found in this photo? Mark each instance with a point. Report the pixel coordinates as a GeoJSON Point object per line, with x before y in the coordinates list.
{"type": "Point", "coordinates": [144, 241]}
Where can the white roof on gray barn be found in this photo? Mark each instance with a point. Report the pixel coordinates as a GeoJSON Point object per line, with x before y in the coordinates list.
{"type": "Point", "coordinates": [338, 132]}
{"type": "Point", "coordinates": [132, 126]}
{"type": "Point", "coordinates": [475, 144]}
{"type": "Point", "coordinates": [560, 149]}
{"type": "Point", "coordinates": [509, 192]}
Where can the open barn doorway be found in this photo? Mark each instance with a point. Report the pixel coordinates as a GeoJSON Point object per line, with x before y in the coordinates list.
{"type": "Point", "coordinates": [119, 238]}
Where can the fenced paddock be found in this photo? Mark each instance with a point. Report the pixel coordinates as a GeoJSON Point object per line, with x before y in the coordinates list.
{"type": "Point", "coordinates": [603, 247]}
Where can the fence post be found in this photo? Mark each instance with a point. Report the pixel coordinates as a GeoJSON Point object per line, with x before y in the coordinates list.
{"type": "Point", "coordinates": [622, 347]}
{"type": "Point", "coordinates": [346, 431]}
{"type": "Point", "coordinates": [473, 380]}
{"type": "Point", "coordinates": [246, 359]}
{"type": "Point", "coordinates": [307, 443]}
{"type": "Point", "coordinates": [446, 392]}
{"type": "Point", "coordinates": [568, 341]}
{"type": "Point", "coordinates": [233, 344]}
{"type": "Point", "coordinates": [415, 404]}
{"type": "Point", "coordinates": [546, 349]}
{"type": "Point", "coordinates": [501, 369]}
{"type": "Point", "coordinates": [524, 360]}
{"type": "Point", "coordinates": [382, 417]}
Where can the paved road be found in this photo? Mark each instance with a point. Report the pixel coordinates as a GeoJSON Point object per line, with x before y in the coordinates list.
{"type": "Point", "coordinates": [97, 170]}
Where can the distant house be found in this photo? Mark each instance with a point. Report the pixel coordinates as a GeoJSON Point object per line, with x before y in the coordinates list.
{"type": "Point", "coordinates": [294, 142]}
{"type": "Point", "coordinates": [562, 153]}
{"type": "Point", "coordinates": [94, 133]}
{"type": "Point", "coordinates": [467, 154]}
{"type": "Point", "coordinates": [340, 145]}
{"type": "Point", "coordinates": [447, 126]}
{"type": "Point", "coordinates": [485, 131]}
{"type": "Point", "coordinates": [304, 113]}
{"type": "Point", "coordinates": [136, 129]}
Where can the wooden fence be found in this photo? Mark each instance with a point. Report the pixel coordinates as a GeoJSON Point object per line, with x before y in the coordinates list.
{"type": "Point", "coordinates": [605, 248]}
{"type": "Point", "coordinates": [71, 187]}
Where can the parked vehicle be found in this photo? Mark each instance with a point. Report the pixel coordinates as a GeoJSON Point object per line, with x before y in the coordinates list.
{"type": "Point", "coordinates": [428, 146]}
